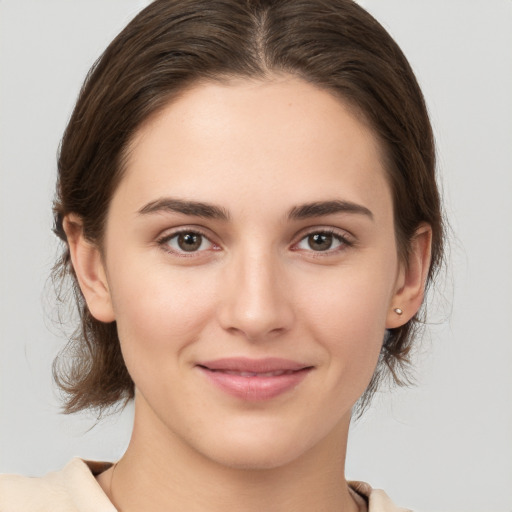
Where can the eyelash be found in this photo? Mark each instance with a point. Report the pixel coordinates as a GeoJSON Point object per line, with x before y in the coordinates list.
{"type": "Point", "coordinates": [344, 241]}
{"type": "Point", "coordinates": [163, 242]}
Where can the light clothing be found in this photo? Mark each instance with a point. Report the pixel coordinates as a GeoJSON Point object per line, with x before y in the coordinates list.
{"type": "Point", "coordinates": [75, 489]}
{"type": "Point", "coordinates": [72, 489]}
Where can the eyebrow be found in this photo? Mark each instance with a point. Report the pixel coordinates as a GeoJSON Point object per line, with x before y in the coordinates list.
{"type": "Point", "coordinates": [210, 211]}
{"type": "Point", "coordinates": [195, 208]}
{"type": "Point", "coordinates": [320, 208]}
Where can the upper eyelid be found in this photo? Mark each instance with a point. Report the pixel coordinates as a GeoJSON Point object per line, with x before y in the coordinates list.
{"type": "Point", "coordinates": [345, 238]}
{"type": "Point", "coordinates": [342, 233]}
{"type": "Point", "coordinates": [335, 231]}
{"type": "Point", "coordinates": [169, 233]}
{"type": "Point", "coordinates": [162, 240]}
{"type": "Point", "coordinates": [198, 255]}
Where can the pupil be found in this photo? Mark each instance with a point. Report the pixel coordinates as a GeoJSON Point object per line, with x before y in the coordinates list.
{"type": "Point", "coordinates": [189, 241]}
{"type": "Point", "coordinates": [320, 241]}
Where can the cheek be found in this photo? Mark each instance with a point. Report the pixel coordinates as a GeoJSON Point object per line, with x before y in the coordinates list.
{"type": "Point", "coordinates": [348, 319]}
{"type": "Point", "coordinates": [158, 310]}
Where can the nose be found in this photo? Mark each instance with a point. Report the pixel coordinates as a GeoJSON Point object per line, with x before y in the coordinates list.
{"type": "Point", "coordinates": [256, 300]}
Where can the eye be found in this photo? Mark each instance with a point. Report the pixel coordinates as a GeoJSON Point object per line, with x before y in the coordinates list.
{"type": "Point", "coordinates": [186, 242]}
{"type": "Point", "coordinates": [323, 241]}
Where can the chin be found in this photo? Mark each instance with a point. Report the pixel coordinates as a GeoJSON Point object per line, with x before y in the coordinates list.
{"type": "Point", "coordinates": [260, 449]}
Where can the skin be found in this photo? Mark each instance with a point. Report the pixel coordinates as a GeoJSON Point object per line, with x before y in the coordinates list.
{"type": "Point", "coordinates": [255, 288]}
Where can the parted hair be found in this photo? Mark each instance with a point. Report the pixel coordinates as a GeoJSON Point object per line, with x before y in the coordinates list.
{"type": "Point", "coordinates": [172, 44]}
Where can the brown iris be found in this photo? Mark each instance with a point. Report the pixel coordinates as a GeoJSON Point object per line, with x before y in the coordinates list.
{"type": "Point", "coordinates": [189, 242]}
{"type": "Point", "coordinates": [320, 241]}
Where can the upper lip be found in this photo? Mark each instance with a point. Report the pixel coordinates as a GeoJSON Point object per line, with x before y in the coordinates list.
{"type": "Point", "coordinates": [245, 364]}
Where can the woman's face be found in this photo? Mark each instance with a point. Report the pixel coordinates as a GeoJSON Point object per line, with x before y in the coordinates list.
{"type": "Point", "coordinates": [250, 264]}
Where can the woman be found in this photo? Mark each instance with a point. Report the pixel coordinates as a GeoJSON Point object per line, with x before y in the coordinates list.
{"type": "Point", "coordinates": [248, 203]}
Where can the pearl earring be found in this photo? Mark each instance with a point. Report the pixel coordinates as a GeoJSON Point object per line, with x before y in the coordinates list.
{"type": "Point", "coordinates": [398, 311]}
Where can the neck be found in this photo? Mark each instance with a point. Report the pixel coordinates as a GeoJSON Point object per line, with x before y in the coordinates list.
{"type": "Point", "coordinates": [160, 472]}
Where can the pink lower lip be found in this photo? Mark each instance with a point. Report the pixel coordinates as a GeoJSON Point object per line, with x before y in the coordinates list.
{"type": "Point", "coordinates": [255, 388]}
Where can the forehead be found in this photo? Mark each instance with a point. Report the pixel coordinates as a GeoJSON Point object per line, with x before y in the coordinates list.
{"type": "Point", "coordinates": [257, 138]}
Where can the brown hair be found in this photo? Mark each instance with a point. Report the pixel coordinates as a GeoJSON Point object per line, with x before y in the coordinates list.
{"type": "Point", "coordinates": [171, 44]}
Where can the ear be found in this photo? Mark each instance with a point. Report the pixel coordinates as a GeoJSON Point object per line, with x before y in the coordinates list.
{"type": "Point", "coordinates": [412, 277]}
{"type": "Point", "coordinates": [89, 269]}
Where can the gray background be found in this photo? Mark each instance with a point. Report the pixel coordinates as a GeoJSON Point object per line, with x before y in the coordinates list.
{"type": "Point", "coordinates": [445, 445]}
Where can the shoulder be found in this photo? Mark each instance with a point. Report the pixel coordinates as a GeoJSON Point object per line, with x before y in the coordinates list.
{"type": "Point", "coordinates": [72, 489]}
{"type": "Point", "coordinates": [377, 499]}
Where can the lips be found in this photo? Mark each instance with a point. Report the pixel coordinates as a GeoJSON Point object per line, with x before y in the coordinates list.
{"type": "Point", "coordinates": [255, 374]}
{"type": "Point", "coordinates": [254, 379]}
